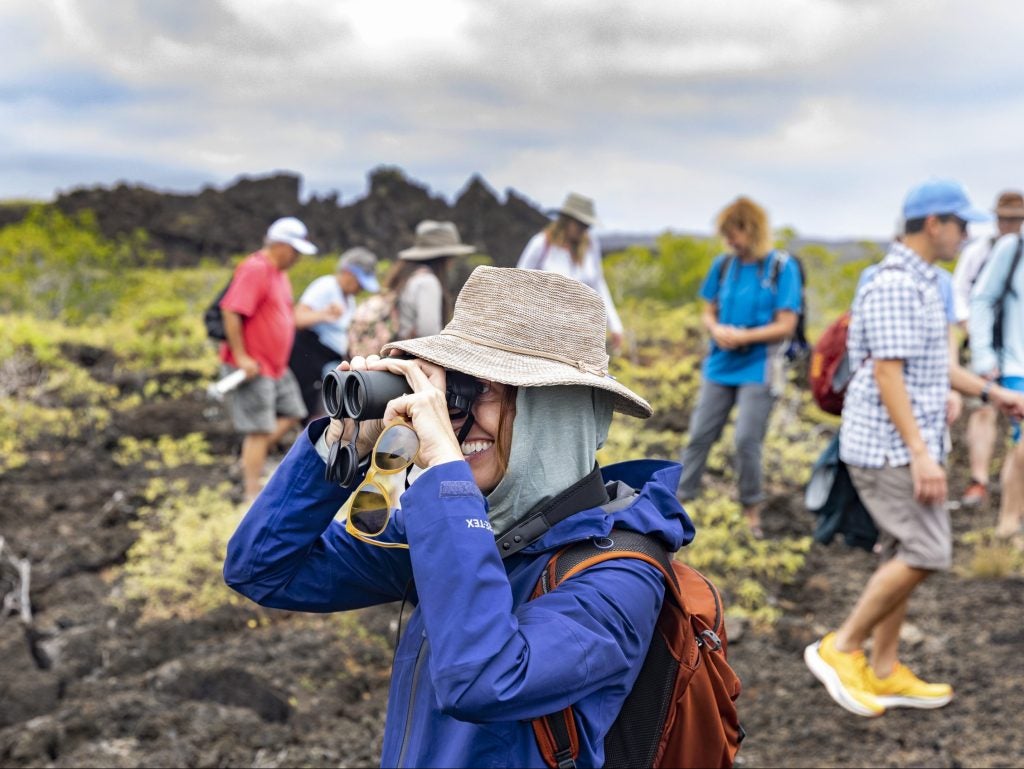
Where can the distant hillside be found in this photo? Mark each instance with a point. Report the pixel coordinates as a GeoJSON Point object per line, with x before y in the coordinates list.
{"type": "Point", "coordinates": [846, 250]}
{"type": "Point", "coordinates": [222, 223]}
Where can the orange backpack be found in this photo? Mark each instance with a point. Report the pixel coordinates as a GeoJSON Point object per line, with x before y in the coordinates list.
{"type": "Point", "coordinates": [682, 709]}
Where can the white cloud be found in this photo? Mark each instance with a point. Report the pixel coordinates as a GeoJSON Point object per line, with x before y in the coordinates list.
{"type": "Point", "coordinates": [824, 110]}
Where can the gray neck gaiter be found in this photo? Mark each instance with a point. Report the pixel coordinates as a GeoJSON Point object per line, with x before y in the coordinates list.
{"type": "Point", "coordinates": [556, 432]}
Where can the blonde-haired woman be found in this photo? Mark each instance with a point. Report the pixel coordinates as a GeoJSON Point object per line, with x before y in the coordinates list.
{"type": "Point", "coordinates": [752, 299]}
{"type": "Point", "coordinates": [567, 246]}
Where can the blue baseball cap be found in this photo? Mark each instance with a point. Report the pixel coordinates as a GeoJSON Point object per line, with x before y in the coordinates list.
{"type": "Point", "coordinates": [362, 263]}
{"type": "Point", "coordinates": [938, 197]}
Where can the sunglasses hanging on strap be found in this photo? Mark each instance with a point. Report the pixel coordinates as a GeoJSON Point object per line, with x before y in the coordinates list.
{"type": "Point", "coordinates": [368, 511]}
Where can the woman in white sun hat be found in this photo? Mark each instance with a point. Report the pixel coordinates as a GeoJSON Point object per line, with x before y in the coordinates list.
{"type": "Point", "coordinates": [568, 247]}
{"type": "Point", "coordinates": [506, 482]}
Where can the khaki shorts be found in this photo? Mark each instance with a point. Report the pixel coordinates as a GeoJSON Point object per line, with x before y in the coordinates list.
{"type": "Point", "coordinates": [257, 403]}
{"type": "Point", "coordinates": [919, 535]}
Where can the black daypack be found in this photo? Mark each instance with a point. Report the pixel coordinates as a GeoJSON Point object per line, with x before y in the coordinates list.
{"type": "Point", "coordinates": [213, 318]}
{"type": "Point", "coordinates": [798, 345]}
{"type": "Point", "coordinates": [831, 496]}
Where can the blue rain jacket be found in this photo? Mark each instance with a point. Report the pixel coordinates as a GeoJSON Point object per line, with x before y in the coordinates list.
{"type": "Point", "coordinates": [478, 659]}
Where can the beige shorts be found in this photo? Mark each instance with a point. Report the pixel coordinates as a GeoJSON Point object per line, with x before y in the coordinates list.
{"type": "Point", "coordinates": [919, 535]}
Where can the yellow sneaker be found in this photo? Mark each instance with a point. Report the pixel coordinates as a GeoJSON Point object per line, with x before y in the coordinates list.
{"type": "Point", "coordinates": [902, 689]}
{"type": "Point", "coordinates": [843, 674]}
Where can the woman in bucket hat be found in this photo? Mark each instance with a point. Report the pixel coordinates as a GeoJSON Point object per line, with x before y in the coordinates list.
{"type": "Point", "coordinates": [420, 278]}
{"type": "Point", "coordinates": [567, 246]}
{"type": "Point", "coordinates": [479, 659]}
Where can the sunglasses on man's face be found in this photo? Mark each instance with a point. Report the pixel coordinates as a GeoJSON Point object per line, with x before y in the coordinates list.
{"type": "Point", "coordinates": [368, 511]}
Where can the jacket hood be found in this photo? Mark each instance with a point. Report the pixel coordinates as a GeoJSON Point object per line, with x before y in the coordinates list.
{"type": "Point", "coordinates": [643, 500]}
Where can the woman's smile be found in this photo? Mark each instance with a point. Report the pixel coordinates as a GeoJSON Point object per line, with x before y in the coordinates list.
{"type": "Point", "coordinates": [472, 449]}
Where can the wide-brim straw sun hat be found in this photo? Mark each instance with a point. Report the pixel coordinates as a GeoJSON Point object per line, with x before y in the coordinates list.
{"type": "Point", "coordinates": [579, 207]}
{"type": "Point", "coordinates": [526, 328]}
{"type": "Point", "coordinates": [434, 239]}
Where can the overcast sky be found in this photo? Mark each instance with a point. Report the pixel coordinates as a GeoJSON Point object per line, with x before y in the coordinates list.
{"type": "Point", "coordinates": [825, 111]}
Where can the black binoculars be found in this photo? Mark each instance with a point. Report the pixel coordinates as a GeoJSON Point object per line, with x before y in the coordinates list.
{"type": "Point", "coordinates": [362, 395]}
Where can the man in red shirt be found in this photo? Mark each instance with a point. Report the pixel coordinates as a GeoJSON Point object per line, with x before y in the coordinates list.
{"type": "Point", "coordinates": [260, 328]}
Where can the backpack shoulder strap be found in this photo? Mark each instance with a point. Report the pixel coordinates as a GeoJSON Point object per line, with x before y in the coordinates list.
{"type": "Point", "coordinates": [898, 268]}
{"type": "Point", "coordinates": [998, 336]}
{"type": "Point", "coordinates": [983, 261]}
{"type": "Point", "coordinates": [586, 493]}
{"type": "Point", "coordinates": [723, 271]}
{"type": "Point", "coordinates": [622, 543]}
{"type": "Point", "coordinates": [777, 257]}
{"type": "Point", "coordinates": [556, 733]}
{"type": "Point", "coordinates": [1008, 286]}
{"type": "Point", "coordinates": [778, 262]}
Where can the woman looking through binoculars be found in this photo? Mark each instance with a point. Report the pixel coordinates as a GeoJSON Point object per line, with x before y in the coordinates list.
{"type": "Point", "coordinates": [467, 541]}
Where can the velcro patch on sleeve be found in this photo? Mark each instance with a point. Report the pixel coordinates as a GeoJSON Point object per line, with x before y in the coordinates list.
{"type": "Point", "coordinates": [459, 489]}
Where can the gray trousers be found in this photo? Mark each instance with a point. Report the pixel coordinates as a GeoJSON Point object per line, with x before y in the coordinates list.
{"type": "Point", "coordinates": [706, 423]}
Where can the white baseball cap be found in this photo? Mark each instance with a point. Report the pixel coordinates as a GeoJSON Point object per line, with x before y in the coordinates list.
{"type": "Point", "coordinates": [293, 232]}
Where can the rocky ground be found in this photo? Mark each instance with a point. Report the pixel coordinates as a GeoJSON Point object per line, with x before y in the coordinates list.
{"type": "Point", "coordinates": [88, 684]}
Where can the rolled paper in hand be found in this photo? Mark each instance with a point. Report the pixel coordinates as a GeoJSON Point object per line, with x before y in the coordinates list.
{"type": "Point", "coordinates": [222, 387]}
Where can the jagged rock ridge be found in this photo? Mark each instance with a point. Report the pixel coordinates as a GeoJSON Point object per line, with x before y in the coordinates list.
{"type": "Point", "coordinates": [219, 224]}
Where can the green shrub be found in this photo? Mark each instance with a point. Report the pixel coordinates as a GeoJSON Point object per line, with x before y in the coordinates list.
{"type": "Point", "coordinates": [668, 275]}
{"type": "Point", "coordinates": [150, 320]}
{"type": "Point", "coordinates": [308, 269]}
{"type": "Point", "coordinates": [58, 266]}
{"type": "Point", "coordinates": [174, 568]}
{"type": "Point", "coordinates": [164, 453]}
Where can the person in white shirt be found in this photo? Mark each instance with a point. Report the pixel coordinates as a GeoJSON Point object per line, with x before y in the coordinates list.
{"type": "Point", "coordinates": [322, 315]}
{"type": "Point", "coordinates": [981, 424]}
{"type": "Point", "coordinates": [568, 247]}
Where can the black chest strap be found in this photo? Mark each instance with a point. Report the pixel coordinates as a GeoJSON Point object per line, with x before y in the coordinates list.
{"type": "Point", "coordinates": [586, 493]}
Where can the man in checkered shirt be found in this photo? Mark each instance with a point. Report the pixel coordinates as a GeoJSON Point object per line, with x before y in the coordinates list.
{"type": "Point", "coordinates": [892, 441]}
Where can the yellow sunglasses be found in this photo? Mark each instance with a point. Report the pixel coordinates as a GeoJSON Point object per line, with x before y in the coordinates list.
{"type": "Point", "coordinates": [368, 511]}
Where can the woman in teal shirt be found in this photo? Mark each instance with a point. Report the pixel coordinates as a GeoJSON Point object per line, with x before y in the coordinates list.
{"type": "Point", "coordinates": [752, 299]}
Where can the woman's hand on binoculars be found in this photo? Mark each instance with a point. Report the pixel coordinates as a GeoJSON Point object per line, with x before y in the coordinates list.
{"type": "Point", "coordinates": [342, 429]}
{"type": "Point", "coordinates": [426, 408]}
